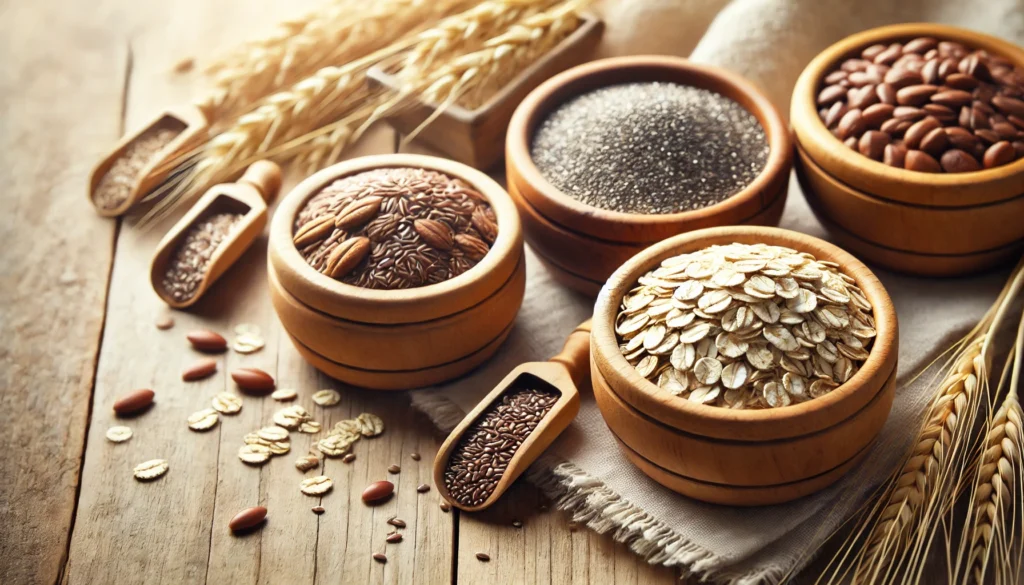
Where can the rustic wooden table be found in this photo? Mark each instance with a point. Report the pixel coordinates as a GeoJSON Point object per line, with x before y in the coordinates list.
{"type": "Point", "coordinates": [77, 314]}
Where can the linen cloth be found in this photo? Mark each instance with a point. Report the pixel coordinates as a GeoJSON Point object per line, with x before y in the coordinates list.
{"type": "Point", "coordinates": [769, 42]}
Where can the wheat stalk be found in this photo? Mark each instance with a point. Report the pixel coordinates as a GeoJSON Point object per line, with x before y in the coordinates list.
{"type": "Point", "coordinates": [333, 35]}
{"type": "Point", "coordinates": [462, 33]}
{"type": "Point", "coordinates": [999, 474]}
{"type": "Point", "coordinates": [898, 530]}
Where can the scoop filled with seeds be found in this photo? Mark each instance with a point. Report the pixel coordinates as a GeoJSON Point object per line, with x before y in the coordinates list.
{"type": "Point", "coordinates": [746, 326]}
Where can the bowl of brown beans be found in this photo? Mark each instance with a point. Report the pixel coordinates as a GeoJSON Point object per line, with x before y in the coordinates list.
{"type": "Point", "coordinates": [396, 271]}
{"type": "Point", "coordinates": [910, 147]}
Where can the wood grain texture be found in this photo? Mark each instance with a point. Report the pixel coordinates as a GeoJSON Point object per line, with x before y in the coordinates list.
{"type": "Point", "coordinates": [58, 107]}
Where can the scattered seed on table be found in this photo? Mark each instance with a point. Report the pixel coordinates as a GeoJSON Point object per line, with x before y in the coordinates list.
{"type": "Point", "coordinates": [380, 557]}
{"type": "Point", "coordinates": [207, 341]}
{"type": "Point", "coordinates": [318, 509]}
{"type": "Point", "coordinates": [151, 469]}
{"type": "Point", "coordinates": [378, 491]}
{"type": "Point", "coordinates": [573, 526]}
{"type": "Point", "coordinates": [423, 488]}
{"type": "Point", "coordinates": [118, 434]}
{"type": "Point", "coordinates": [203, 368]}
{"type": "Point", "coordinates": [134, 402]}
{"type": "Point", "coordinates": [307, 462]}
{"type": "Point", "coordinates": [248, 518]}
{"type": "Point", "coordinates": [397, 522]}
{"type": "Point", "coordinates": [394, 537]}
{"type": "Point", "coordinates": [414, 456]}
{"type": "Point", "coordinates": [165, 322]}
{"type": "Point", "coordinates": [326, 397]}
{"type": "Point", "coordinates": [445, 506]}
{"type": "Point", "coordinates": [483, 557]}
{"type": "Point", "coordinates": [394, 469]}
{"type": "Point", "coordinates": [517, 524]}
{"type": "Point", "coordinates": [349, 458]}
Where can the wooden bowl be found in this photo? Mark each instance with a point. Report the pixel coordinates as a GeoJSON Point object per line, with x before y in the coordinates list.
{"type": "Point", "coordinates": [604, 236]}
{"type": "Point", "coordinates": [477, 137]}
{"type": "Point", "coordinates": [923, 205]}
{"type": "Point", "coordinates": [397, 339]}
{"type": "Point", "coordinates": [923, 240]}
{"type": "Point", "coordinates": [761, 449]}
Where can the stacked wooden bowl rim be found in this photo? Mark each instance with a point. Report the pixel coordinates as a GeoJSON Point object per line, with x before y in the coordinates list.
{"type": "Point", "coordinates": [397, 339]}
{"type": "Point", "coordinates": [742, 457]}
{"type": "Point", "coordinates": [583, 245]}
{"type": "Point", "coordinates": [933, 224]}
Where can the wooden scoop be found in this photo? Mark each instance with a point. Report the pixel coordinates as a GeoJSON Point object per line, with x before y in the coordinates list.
{"type": "Point", "coordinates": [192, 127]}
{"type": "Point", "coordinates": [249, 197]}
{"type": "Point", "coordinates": [564, 373]}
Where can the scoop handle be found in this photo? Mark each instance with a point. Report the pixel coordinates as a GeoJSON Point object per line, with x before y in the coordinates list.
{"type": "Point", "coordinates": [575, 355]}
{"type": "Point", "coordinates": [265, 177]}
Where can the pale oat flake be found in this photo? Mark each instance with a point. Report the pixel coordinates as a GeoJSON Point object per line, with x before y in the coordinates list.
{"type": "Point", "coordinates": [326, 397]}
{"type": "Point", "coordinates": [151, 469]}
{"type": "Point", "coordinates": [316, 486]}
{"type": "Point", "coordinates": [254, 454]}
{"type": "Point", "coordinates": [118, 434]}
{"type": "Point", "coordinates": [203, 420]}
{"type": "Point", "coordinates": [227, 403]}
{"type": "Point", "coordinates": [284, 394]}
{"type": "Point", "coordinates": [370, 425]}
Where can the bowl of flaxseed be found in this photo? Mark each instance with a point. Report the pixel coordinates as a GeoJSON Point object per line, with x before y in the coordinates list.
{"type": "Point", "coordinates": [610, 157]}
{"type": "Point", "coordinates": [744, 365]}
{"type": "Point", "coordinates": [397, 271]}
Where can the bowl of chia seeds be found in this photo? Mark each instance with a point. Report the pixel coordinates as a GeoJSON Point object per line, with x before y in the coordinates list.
{"type": "Point", "coordinates": [612, 156]}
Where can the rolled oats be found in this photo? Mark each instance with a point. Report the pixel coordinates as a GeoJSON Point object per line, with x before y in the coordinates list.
{"type": "Point", "coordinates": [203, 420]}
{"type": "Point", "coordinates": [316, 486]}
{"type": "Point", "coordinates": [118, 434]}
{"type": "Point", "coordinates": [151, 469]}
{"type": "Point", "coordinates": [227, 403]}
{"type": "Point", "coordinates": [326, 397]}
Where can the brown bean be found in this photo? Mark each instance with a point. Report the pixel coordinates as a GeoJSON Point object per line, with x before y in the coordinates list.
{"type": "Point", "coordinates": [889, 55]}
{"type": "Point", "coordinates": [253, 379]}
{"type": "Point", "coordinates": [961, 81]}
{"type": "Point", "coordinates": [862, 97]}
{"type": "Point", "coordinates": [247, 518]}
{"type": "Point", "coordinates": [207, 341]}
{"type": "Point", "coordinates": [873, 51]}
{"type": "Point", "coordinates": [851, 65]}
{"type": "Point", "coordinates": [862, 78]}
{"type": "Point", "coordinates": [958, 161]}
{"type": "Point", "coordinates": [919, 130]}
{"type": "Point", "coordinates": [831, 94]}
{"type": "Point", "coordinates": [915, 95]}
{"type": "Point", "coordinates": [935, 142]}
{"type": "Point", "coordinates": [976, 68]}
{"type": "Point", "coordinates": [922, 162]}
{"type": "Point", "coordinates": [987, 136]}
{"type": "Point", "coordinates": [1018, 122]}
{"type": "Point", "coordinates": [951, 49]}
{"type": "Point", "coordinates": [978, 118]}
{"type": "Point", "coordinates": [203, 368]}
{"type": "Point", "coordinates": [886, 93]}
{"type": "Point", "coordinates": [134, 402]}
{"type": "Point", "coordinates": [1005, 130]}
{"type": "Point", "coordinates": [835, 77]}
{"type": "Point", "coordinates": [908, 113]}
{"type": "Point", "coordinates": [946, 68]}
{"type": "Point", "coordinates": [998, 154]}
{"type": "Point", "coordinates": [953, 98]}
{"type": "Point", "coordinates": [834, 114]}
{"type": "Point", "coordinates": [851, 124]}
{"type": "Point", "coordinates": [961, 138]}
{"type": "Point", "coordinates": [895, 127]}
{"type": "Point", "coordinates": [876, 114]}
{"type": "Point", "coordinates": [393, 537]}
{"type": "Point", "coordinates": [920, 45]}
{"type": "Point", "coordinates": [872, 144]}
{"type": "Point", "coordinates": [378, 491]}
{"type": "Point", "coordinates": [900, 78]}
{"type": "Point", "coordinates": [895, 155]}
{"type": "Point", "coordinates": [1018, 147]}
{"type": "Point", "coordinates": [380, 557]}
{"type": "Point", "coordinates": [851, 143]}
{"type": "Point", "coordinates": [930, 71]}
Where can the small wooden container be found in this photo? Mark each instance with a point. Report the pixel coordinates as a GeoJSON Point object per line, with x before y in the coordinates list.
{"type": "Point", "coordinates": [933, 224]}
{"type": "Point", "coordinates": [191, 124]}
{"type": "Point", "coordinates": [397, 339]}
{"type": "Point", "coordinates": [476, 137]}
{"type": "Point", "coordinates": [581, 244]}
{"type": "Point", "coordinates": [742, 457]}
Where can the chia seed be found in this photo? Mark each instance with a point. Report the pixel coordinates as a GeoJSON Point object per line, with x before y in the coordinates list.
{"type": "Point", "coordinates": [650, 147]}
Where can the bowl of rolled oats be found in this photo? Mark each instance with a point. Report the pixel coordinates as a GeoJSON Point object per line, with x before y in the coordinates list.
{"type": "Point", "coordinates": [744, 365]}
{"type": "Point", "coordinates": [397, 271]}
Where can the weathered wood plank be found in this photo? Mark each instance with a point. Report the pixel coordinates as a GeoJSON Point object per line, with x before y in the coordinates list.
{"type": "Point", "coordinates": [60, 94]}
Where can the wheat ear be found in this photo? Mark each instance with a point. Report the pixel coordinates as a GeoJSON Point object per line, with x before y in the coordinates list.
{"type": "Point", "coordinates": [334, 35]}
{"type": "Point", "coordinates": [930, 478]}
{"type": "Point", "coordinates": [461, 33]}
{"type": "Point", "coordinates": [999, 475]}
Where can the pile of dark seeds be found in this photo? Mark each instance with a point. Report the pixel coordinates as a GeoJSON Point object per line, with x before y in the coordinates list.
{"type": "Point", "coordinates": [188, 266]}
{"type": "Point", "coordinates": [652, 147]}
{"type": "Point", "coordinates": [481, 457]}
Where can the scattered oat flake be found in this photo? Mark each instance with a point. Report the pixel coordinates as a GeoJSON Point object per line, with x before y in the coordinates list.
{"type": "Point", "coordinates": [309, 427]}
{"type": "Point", "coordinates": [227, 403]}
{"type": "Point", "coordinates": [327, 397]}
{"type": "Point", "coordinates": [118, 434]}
{"type": "Point", "coordinates": [151, 469]}
{"type": "Point", "coordinates": [307, 462]}
{"type": "Point", "coordinates": [316, 486]}
{"type": "Point", "coordinates": [203, 420]}
{"type": "Point", "coordinates": [284, 394]}
{"type": "Point", "coordinates": [370, 425]}
{"type": "Point", "coordinates": [254, 454]}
